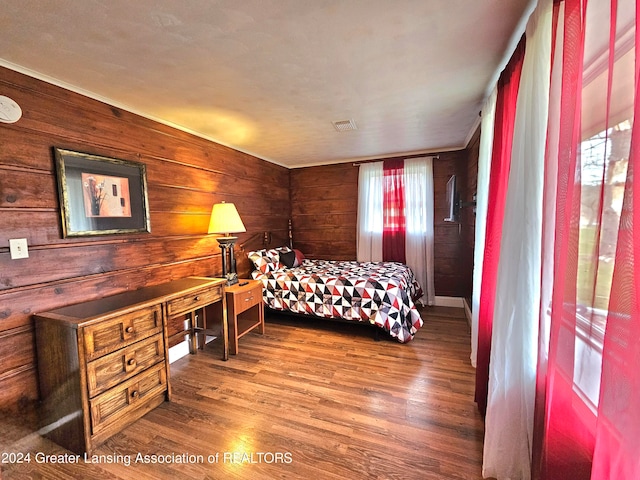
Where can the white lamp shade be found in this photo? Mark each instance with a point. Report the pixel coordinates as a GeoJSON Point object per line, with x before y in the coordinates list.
{"type": "Point", "coordinates": [225, 219]}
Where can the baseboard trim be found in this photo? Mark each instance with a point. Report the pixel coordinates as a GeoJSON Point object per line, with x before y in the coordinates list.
{"type": "Point", "coordinates": [178, 351]}
{"type": "Point", "coordinates": [457, 302]}
{"type": "Point", "coordinates": [467, 310]}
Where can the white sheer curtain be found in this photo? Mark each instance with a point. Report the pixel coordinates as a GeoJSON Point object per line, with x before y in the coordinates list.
{"type": "Point", "coordinates": [549, 200]}
{"type": "Point", "coordinates": [370, 201]}
{"type": "Point", "coordinates": [482, 196]}
{"type": "Point", "coordinates": [418, 191]}
{"type": "Point", "coordinates": [512, 373]}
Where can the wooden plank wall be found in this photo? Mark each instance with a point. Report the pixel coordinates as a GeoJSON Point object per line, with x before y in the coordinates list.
{"type": "Point", "coordinates": [324, 203]}
{"type": "Point", "coordinates": [186, 176]}
{"type": "Point", "coordinates": [468, 215]}
{"type": "Point", "coordinates": [451, 266]}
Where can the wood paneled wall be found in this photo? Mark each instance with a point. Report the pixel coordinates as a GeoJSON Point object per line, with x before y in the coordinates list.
{"type": "Point", "coordinates": [451, 265]}
{"type": "Point", "coordinates": [186, 175]}
{"type": "Point", "coordinates": [468, 214]}
{"type": "Point", "coordinates": [324, 202]}
{"type": "Point", "coordinates": [324, 206]}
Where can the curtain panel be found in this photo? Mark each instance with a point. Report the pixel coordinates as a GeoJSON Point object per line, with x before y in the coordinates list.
{"type": "Point", "coordinates": [369, 221]}
{"type": "Point", "coordinates": [482, 193]}
{"type": "Point", "coordinates": [394, 225]}
{"type": "Point", "coordinates": [508, 85]}
{"type": "Point", "coordinates": [420, 229]}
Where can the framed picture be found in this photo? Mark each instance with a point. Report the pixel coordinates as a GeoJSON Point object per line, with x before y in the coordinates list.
{"type": "Point", "coordinates": [101, 195]}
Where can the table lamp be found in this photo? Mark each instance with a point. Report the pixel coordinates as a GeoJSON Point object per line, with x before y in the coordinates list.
{"type": "Point", "coordinates": [225, 220]}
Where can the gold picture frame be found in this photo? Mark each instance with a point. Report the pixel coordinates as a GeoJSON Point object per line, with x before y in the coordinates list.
{"type": "Point", "coordinates": [101, 195]}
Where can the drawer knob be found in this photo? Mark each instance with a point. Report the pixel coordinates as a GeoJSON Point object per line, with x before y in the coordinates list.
{"type": "Point", "coordinates": [134, 394]}
{"type": "Point", "coordinates": [129, 329]}
{"type": "Point", "coordinates": [131, 361]}
{"type": "Point", "coordinates": [196, 298]}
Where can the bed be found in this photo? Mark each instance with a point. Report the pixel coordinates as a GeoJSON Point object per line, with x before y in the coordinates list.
{"type": "Point", "coordinates": [379, 293]}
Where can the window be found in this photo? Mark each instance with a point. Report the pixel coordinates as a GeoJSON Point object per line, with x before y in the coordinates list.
{"type": "Point", "coordinates": [604, 156]}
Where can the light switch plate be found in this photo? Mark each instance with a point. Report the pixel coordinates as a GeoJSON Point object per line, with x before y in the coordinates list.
{"type": "Point", "coordinates": [18, 248]}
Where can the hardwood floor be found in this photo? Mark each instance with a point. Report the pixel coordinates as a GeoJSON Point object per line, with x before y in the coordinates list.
{"type": "Point", "coordinates": [312, 400]}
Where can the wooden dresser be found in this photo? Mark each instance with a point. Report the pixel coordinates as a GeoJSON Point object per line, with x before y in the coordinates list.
{"type": "Point", "coordinates": [103, 364]}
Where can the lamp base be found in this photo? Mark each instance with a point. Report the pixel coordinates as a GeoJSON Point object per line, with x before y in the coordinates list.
{"type": "Point", "coordinates": [226, 244]}
{"type": "Point", "coordinates": [232, 278]}
{"type": "Point", "coordinates": [229, 240]}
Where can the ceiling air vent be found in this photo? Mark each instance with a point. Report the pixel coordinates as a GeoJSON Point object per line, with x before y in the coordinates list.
{"type": "Point", "coordinates": [345, 125]}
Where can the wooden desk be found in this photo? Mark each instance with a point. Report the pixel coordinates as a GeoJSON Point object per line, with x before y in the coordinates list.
{"type": "Point", "coordinates": [104, 363]}
{"type": "Point", "coordinates": [245, 310]}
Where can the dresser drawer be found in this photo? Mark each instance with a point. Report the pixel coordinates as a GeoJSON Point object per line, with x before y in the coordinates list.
{"type": "Point", "coordinates": [116, 404]}
{"type": "Point", "coordinates": [111, 369]}
{"type": "Point", "coordinates": [195, 300]}
{"type": "Point", "coordinates": [243, 300]}
{"type": "Point", "coordinates": [111, 335]}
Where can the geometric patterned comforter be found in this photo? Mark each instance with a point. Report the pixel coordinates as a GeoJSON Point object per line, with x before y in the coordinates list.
{"type": "Point", "coordinates": [381, 293]}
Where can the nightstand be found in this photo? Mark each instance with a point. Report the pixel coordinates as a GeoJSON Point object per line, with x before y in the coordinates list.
{"type": "Point", "coordinates": [245, 310]}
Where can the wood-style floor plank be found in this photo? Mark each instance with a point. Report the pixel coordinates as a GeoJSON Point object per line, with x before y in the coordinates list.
{"type": "Point", "coordinates": [309, 399]}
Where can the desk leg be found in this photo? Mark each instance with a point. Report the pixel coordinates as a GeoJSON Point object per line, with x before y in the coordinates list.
{"type": "Point", "coordinates": [193, 320]}
{"type": "Point", "coordinates": [202, 332]}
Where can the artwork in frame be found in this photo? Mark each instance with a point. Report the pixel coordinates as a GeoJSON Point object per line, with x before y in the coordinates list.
{"type": "Point", "coordinates": [101, 195]}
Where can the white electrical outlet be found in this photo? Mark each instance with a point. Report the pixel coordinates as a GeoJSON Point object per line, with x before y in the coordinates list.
{"type": "Point", "coordinates": [18, 248]}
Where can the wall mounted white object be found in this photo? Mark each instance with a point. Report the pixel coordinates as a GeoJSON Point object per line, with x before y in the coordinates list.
{"type": "Point", "coordinates": [10, 111]}
{"type": "Point", "coordinates": [18, 248]}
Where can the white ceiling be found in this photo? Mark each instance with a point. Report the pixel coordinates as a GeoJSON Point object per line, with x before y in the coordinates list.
{"type": "Point", "coordinates": [268, 77]}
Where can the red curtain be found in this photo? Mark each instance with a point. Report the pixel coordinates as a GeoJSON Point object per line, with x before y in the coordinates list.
{"type": "Point", "coordinates": [617, 442]}
{"type": "Point", "coordinates": [568, 442]}
{"type": "Point", "coordinates": [508, 85]}
{"type": "Point", "coordinates": [394, 218]}
{"type": "Point", "coordinates": [588, 407]}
